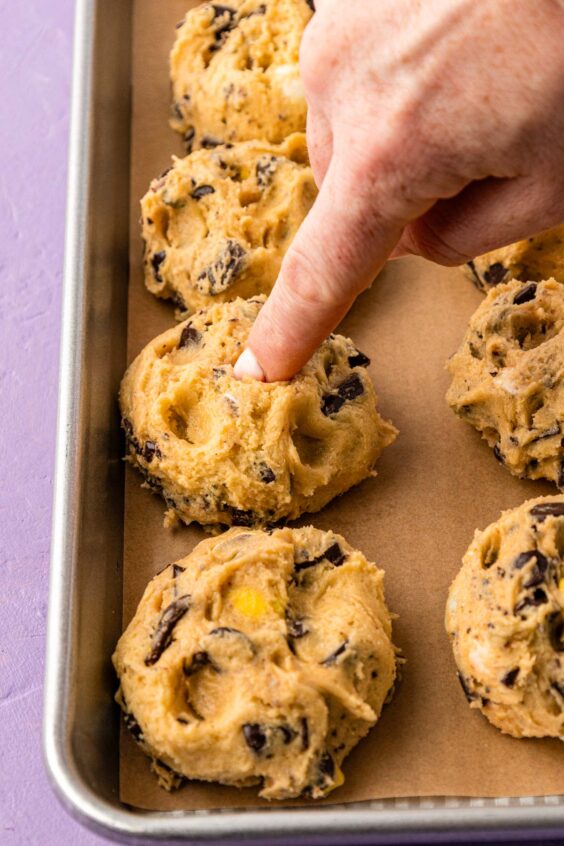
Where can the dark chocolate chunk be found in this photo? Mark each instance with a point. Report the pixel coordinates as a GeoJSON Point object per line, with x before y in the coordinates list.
{"type": "Point", "coordinates": [202, 191]}
{"type": "Point", "coordinates": [265, 169]}
{"type": "Point", "coordinates": [219, 10]}
{"type": "Point", "coordinates": [548, 433]}
{"type": "Point", "coordinates": [189, 136]}
{"type": "Point", "coordinates": [538, 597]}
{"type": "Point", "coordinates": [556, 631]}
{"type": "Point", "coordinates": [495, 273]}
{"type": "Point", "coordinates": [358, 359]}
{"type": "Point", "coordinates": [526, 294]}
{"type": "Point", "coordinates": [348, 390]}
{"type": "Point", "coordinates": [156, 261]}
{"type": "Point", "coordinates": [177, 570]}
{"type": "Point", "coordinates": [304, 730]}
{"type": "Point", "coordinates": [470, 696]}
{"type": "Point", "coordinates": [560, 479]}
{"type": "Point", "coordinates": [547, 509]}
{"type": "Point", "coordinates": [150, 450]}
{"type": "Point", "coordinates": [297, 628]}
{"type": "Point", "coordinates": [524, 558]}
{"type": "Point", "coordinates": [208, 143]}
{"type": "Point", "coordinates": [332, 659]}
{"type": "Point", "coordinates": [266, 474]}
{"type": "Point", "coordinates": [198, 661]}
{"type": "Point", "coordinates": [558, 687]}
{"type": "Point", "coordinates": [509, 678]}
{"type": "Point", "coordinates": [227, 631]}
{"type": "Point", "coordinates": [327, 765]}
{"type": "Point", "coordinates": [498, 454]}
{"type": "Point", "coordinates": [189, 336]}
{"type": "Point", "coordinates": [255, 736]}
{"type": "Point", "coordinates": [133, 727]}
{"type": "Point", "coordinates": [220, 275]}
{"type": "Point", "coordinates": [222, 30]}
{"type": "Point", "coordinates": [162, 636]}
{"type": "Point", "coordinates": [241, 517]}
{"type": "Point", "coordinates": [538, 571]}
{"type": "Point", "coordinates": [288, 733]}
{"type": "Point", "coordinates": [334, 554]}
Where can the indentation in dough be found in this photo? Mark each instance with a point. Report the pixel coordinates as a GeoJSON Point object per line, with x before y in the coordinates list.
{"type": "Point", "coordinates": [311, 450]}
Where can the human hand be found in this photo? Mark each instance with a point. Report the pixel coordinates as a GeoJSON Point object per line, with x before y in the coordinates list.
{"type": "Point", "coordinates": [433, 128]}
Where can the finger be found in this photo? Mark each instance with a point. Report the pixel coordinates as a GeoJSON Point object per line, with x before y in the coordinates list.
{"type": "Point", "coordinates": [485, 215]}
{"type": "Point", "coordinates": [319, 143]}
{"type": "Point", "coordinates": [336, 253]}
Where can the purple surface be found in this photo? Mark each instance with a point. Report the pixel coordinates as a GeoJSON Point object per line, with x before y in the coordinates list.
{"type": "Point", "coordinates": [36, 47]}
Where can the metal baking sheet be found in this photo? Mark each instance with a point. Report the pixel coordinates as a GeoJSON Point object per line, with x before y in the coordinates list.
{"type": "Point", "coordinates": [81, 723]}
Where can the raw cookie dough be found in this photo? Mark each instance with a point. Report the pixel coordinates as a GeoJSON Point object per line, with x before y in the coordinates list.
{"type": "Point", "coordinates": [235, 73]}
{"type": "Point", "coordinates": [260, 658]}
{"type": "Point", "coordinates": [224, 451]}
{"type": "Point", "coordinates": [505, 617]}
{"type": "Point", "coordinates": [508, 377]}
{"type": "Point", "coordinates": [217, 224]}
{"type": "Point", "coordinates": [537, 258]}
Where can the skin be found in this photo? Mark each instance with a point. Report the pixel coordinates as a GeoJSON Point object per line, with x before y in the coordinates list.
{"type": "Point", "coordinates": [434, 129]}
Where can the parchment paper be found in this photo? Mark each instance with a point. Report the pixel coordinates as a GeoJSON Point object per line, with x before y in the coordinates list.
{"type": "Point", "coordinates": [435, 485]}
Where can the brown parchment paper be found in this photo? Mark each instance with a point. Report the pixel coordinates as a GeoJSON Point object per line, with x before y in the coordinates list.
{"type": "Point", "coordinates": [435, 485]}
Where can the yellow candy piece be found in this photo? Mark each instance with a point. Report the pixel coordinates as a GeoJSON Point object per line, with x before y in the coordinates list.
{"type": "Point", "coordinates": [338, 781]}
{"type": "Point", "coordinates": [561, 585]}
{"type": "Point", "coordinates": [249, 602]}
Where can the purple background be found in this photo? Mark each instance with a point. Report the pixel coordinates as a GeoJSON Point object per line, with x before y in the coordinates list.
{"type": "Point", "coordinates": [36, 47]}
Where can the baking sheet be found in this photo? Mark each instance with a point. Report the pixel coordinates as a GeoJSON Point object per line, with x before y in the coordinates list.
{"type": "Point", "coordinates": [435, 485]}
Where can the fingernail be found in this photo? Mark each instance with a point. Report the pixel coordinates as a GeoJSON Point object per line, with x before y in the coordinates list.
{"type": "Point", "coordinates": [247, 365]}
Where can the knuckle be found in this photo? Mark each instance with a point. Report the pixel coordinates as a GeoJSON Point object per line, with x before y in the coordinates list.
{"type": "Point", "coordinates": [424, 240]}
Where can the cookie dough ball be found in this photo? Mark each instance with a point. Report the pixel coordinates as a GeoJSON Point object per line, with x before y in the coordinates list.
{"type": "Point", "coordinates": [537, 258]}
{"type": "Point", "coordinates": [217, 224]}
{"type": "Point", "coordinates": [235, 74]}
{"type": "Point", "coordinates": [508, 377]}
{"type": "Point", "coordinates": [505, 617]}
{"type": "Point", "coordinates": [260, 658]}
{"type": "Point", "coordinates": [224, 451]}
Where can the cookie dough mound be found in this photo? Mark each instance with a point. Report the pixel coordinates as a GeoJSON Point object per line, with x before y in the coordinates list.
{"type": "Point", "coordinates": [235, 74]}
{"type": "Point", "coordinates": [537, 258]}
{"type": "Point", "coordinates": [217, 224]}
{"type": "Point", "coordinates": [260, 658]}
{"type": "Point", "coordinates": [505, 617]}
{"type": "Point", "coordinates": [508, 377]}
{"type": "Point", "coordinates": [224, 451]}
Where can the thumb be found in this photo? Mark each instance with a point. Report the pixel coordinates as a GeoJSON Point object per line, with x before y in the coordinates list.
{"type": "Point", "coordinates": [338, 250]}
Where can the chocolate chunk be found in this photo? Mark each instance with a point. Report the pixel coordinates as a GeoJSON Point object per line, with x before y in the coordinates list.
{"type": "Point", "coordinates": [547, 509]}
{"type": "Point", "coordinates": [560, 479]}
{"type": "Point", "coordinates": [524, 558]}
{"type": "Point", "coordinates": [498, 454]}
{"type": "Point", "coordinates": [133, 727]}
{"type": "Point", "coordinates": [162, 636]}
{"type": "Point", "coordinates": [255, 736]}
{"type": "Point", "coordinates": [548, 433]}
{"type": "Point", "coordinates": [208, 143]}
{"type": "Point", "coordinates": [266, 474]}
{"type": "Point", "coordinates": [227, 631]}
{"type": "Point", "coordinates": [556, 631]}
{"type": "Point", "coordinates": [189, 136]}
{"type": "Point", "coordinates": [189, 336]}
{"type": "Point", "coordinates": [150, 450]}
{"type": "Point", "coordinates": [526, 294]}
{"type": "Point", "coordinates": [225, 28]}
{"type": "Point", "coordinates": [219, 10]}
{"type": "Point", "coordinates": [538, 597]}
{"type": "Point", "coordinates": [177, 570]}
{"type": "Point", "coordinates": [327, 765]}
{"type": "Point", "coordinates": [538, 571]}
{"type": "Point", "coordinates": [495, 273]}
{"type": "Point", "coordinates": [348, 390]}
{"type": "Point", "coordinates": [156, 261]}
{"type": "Point", "coordinates": [470, 696]}
{"type": "Point", "coordinates": [304, 731]}
{"type": "Point", "coordinates": [288, 733]}
{"type": "Point", "coordinates": [198, 661]}
{"type": "Point", "coordinates": [297, 628]}
{"type": "Point", "coordinates": [240, 517]}
{"type": "Point", "coordinates": [509, 678]}
{"type": "Point", "coordinates": [332, 659]}
{"type": "Point", "coordinates": [334, 554]}
{"type": "Point", "coordinates": [358, 359]}
{"type": "Point", "coordinates": [220, 275]}
{"type": "Point", "coordinates": [202, 191]}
